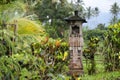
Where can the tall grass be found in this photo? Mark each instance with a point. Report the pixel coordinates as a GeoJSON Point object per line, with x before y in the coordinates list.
{"type": "Point", "coordinates": [100, 71]}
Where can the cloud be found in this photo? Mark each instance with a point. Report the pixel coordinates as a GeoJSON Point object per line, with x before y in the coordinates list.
{"type": "Point", "coordinates": [103, 5]}
{"type": "Point", "coordinates": [104, 15]}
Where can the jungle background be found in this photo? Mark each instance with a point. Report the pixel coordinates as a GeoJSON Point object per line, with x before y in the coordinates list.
{"type": "Point", "coordinates": [34, 41]}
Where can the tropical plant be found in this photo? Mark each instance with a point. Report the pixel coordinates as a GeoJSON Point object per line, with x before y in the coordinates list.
{"type": "Point", "coordinates": [112, 52]}
{"type": "Point", "coordinates": [52, 13]}
{"type": "Point", "coordinates": [94, 32]}
{"type": "Point", "coordinates": [89, 54]}
{"type": "Point", "coordinates": [89, 12]}
{"type": "Point", "coordinates": [101, 26]}
{"type": "Point", "coordinates": [6, 1]}
{"type": "Point", "coordinates": [9, 68]}
{"type": "Point", "coordinates": [115, 9]}
{"type": "Point", "coordinates": [96, 11]}
{"type": "Point", "coordinates": [34, 59]}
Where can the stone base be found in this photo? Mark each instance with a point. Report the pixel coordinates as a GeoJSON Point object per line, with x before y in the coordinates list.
{"type": "Point", "coordinates": [76, 72]}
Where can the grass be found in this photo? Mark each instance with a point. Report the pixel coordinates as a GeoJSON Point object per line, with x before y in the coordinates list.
{"type": "Point", "coordinates": [103, 76]}
{"type": "Point", "coordinates": [100, 71]}
{"type": "Point", "coordinates": [99, 64]}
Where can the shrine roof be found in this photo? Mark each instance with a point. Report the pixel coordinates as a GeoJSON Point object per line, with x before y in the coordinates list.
{"type": "Point", "coordinates": [75, 18]}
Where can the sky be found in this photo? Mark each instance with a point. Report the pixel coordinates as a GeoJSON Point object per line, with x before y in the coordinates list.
{"type": "Point", "coordinates": [104, 8]}
{"type": "Point", "coordinates": [104, 15]}
{"type": "Point", "coordinates": [103, 5]}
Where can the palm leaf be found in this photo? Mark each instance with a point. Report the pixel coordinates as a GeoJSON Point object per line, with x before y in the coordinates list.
{"type": "Point", "coordinates": [26, 26]}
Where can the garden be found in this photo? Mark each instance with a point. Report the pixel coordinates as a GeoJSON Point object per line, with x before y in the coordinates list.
{"type": "Point", "coordinates": [34, 41]}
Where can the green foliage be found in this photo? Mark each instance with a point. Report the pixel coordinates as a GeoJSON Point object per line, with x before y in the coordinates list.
{"type": "Point", "coordinates": [101, 27]}
{"type": "Point", "coordinates": [36, 57]}
{"type": "Point", "coordinates": [6, 42]}
{"type": "Point", "coordinates": [112, 42]}
{"type": "Point", "coordinates": [30, 53]}
{"type": "Point", "coordinates": [52, 31]}
{"type": "Point", "coordinates": [89, 54]}
{"type": "Point", "coordinates": [93, 33]}
{"type": "Point", "coordinates": [51, 13]}
{"type": "Point", "coordinates": [115, 9]}
{"type": "Point", "coordinates": [6, 1]}
{"type": "Point", "coordinates": [26, 26]}
{"type": "Point", "coordinates": [9, 68]}
{"type": "Point", "coordinates": [56, 11]}
{"type": "Point", "coordinates": [53, 52]}
{"type": "Point", "coordinates": [90, 12]}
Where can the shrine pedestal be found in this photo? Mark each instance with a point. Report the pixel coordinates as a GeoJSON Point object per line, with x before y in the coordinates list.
{"type": "Point", "coordinates": [76, 67]}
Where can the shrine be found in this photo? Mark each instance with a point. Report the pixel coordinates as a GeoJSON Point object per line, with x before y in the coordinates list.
{"type": "Point", "coordinates": [75, 43]}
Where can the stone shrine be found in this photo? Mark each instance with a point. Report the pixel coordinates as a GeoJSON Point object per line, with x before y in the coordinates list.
{"type": "Point", "coordinates": [75, 43]}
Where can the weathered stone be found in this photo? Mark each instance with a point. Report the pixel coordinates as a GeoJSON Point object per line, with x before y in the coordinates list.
{"type": "Point", "coordinates": [75, 44]}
